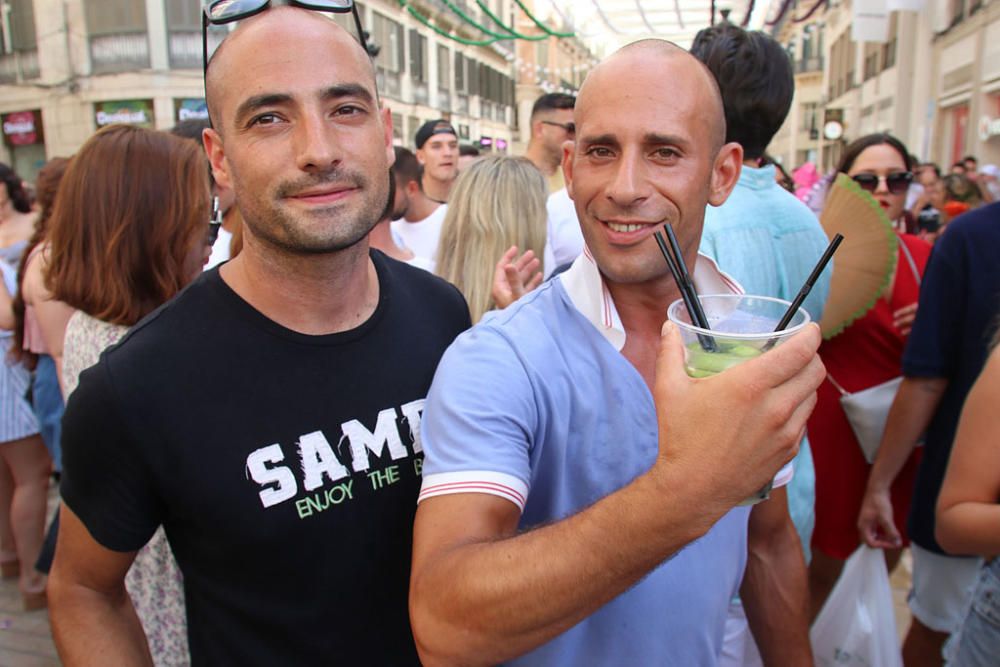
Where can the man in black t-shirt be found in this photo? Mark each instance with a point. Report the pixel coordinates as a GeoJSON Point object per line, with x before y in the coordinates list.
{"type": "Point", "coordinates": [269, 416]}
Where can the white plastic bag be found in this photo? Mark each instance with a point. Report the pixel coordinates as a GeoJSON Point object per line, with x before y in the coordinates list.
{"type": "Point", "coordinates": [857, 625]}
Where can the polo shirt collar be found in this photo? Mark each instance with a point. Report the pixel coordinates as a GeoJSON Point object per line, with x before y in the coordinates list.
{"type": "Point", "coordinates": [589, 294]}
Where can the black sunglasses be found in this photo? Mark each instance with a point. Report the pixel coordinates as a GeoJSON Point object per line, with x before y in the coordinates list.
{"type": "Point", "coordinates": [214, 223]}
{"type": "Point", "coordinates": [220, 12]}
{"type": "Point", "coordinates": [569, 127]}
{"type": "Point", "coordinates": [896, 182]}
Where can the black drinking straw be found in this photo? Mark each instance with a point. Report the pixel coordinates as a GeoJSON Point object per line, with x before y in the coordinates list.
{"type": "Point", "coordinates": [707, 343]}
{"type": "Point", "coordinates": [810, 281]}
{"type": "Point", "coordinates": [686, 278]}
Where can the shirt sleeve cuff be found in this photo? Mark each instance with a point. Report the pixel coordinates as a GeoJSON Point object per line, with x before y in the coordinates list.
{"type": "Point", "coordinates": [499, 484]}
{"type": "Point", "coordinates": [784, 475]}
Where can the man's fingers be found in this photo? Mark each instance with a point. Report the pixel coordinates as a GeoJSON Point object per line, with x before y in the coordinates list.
{"type": "Point", "coordinates": [670, 371]}
{"type": "Point", "coordinates": [514, 281]}
{"type": "Point", "coordinates": [534, 282]}
{"type": "Point", "coordinates": [509, 256]}
{"type": "Point", "coordinates": [784, 362]}
{"type": "Point", "coordinates": [529, 269]}
{"type": "Point", "coordinates": [524, 259]}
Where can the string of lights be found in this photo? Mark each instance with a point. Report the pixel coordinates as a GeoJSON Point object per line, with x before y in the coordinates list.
{"type": "Point", "coordinates": [645, 19]}
{"type": "Point", "coordinates": [444, 33]}
{"type": "Point", "coordinates": [544, 28]}
{"type": "Point", "coordinates": [808, 15]}
{"type": "Point", "coordinates": [509, 29]}
{"type": "Point", "coordinates": [468, 19]}
{"type": "Point", "coordinates": [677, 10]}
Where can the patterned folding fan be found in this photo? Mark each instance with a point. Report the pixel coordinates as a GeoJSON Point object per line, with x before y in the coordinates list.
{"type": "Point", "coordinates": [865, 263]}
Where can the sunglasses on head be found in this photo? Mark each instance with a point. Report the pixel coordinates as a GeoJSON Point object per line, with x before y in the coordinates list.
{"type": "Point", "coordinates": [214, 223]}
{"type": "Point", "coordinates": [896, 182]}
{"type": "Point", "coordinates": [220, 12]}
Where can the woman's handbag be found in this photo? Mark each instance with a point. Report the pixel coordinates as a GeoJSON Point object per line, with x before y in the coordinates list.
{"type": "Point", "coordinates": [868, 410]}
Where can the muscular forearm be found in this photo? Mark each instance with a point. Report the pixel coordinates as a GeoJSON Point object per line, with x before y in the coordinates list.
{"type": "Point", "coordinates": [911, 412]}
{"type": "Point", "coordinates": [775, 596]}
{"type": "Point", "coordinates": [92, 628]}
{"type": "Point", "coordinates": [969, 528]}
{"type": "Point", "coordinates": [487, 602]}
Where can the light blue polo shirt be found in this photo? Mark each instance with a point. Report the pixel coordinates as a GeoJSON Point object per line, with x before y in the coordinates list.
{"type": "Point", "coordinates": [537, 405]}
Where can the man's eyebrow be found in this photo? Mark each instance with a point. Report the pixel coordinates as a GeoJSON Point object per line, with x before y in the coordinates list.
{"type": "Point", "coordinates": [342, 90]}
{"type": "Point", "coordinates": [606, 139]}
{"type": "Point", "coordinates": [251, 104]}
{"type": "Point", "coordinates": [338, 91]}
{"type": "Point", "coordinates": [657, 139]}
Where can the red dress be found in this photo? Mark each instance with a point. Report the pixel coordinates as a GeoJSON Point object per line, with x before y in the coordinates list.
{"type": "Point", "coordinates": [867, 353]}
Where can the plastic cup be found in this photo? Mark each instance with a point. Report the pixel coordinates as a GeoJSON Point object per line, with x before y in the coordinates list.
{"type": "Point", "coordinates": [742, 327]}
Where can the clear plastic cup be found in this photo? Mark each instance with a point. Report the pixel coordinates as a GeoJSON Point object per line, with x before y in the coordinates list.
{"type": "Point", "coordinates": [741, 328]}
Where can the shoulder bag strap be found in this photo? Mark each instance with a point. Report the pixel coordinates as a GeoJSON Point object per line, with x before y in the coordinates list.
{"type": "Point", "coordinates": [909, 260]}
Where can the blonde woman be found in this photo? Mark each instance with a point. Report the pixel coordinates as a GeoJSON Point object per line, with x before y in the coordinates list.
{"type": "Point", "coordinates": [496, 208]}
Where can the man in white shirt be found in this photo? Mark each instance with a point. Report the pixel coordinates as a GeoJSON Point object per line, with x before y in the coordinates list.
{"type": "Point", "coordinates": [437, 151]}
{"type": "Point", "coordinates": [417, 219]}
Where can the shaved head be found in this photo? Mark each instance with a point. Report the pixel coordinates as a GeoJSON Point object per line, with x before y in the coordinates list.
{"type": "Point", "coordinates": [661, 59]}
{"type": "Point", "coordinates": [299, 133]}
{"type": "Point", "coordinates": [649, 149]}
{"type": "Point", "coordinates": [261, 32]}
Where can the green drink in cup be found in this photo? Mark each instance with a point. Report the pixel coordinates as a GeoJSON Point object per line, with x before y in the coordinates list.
{"type": "Point", "coordinates": [741, 327]}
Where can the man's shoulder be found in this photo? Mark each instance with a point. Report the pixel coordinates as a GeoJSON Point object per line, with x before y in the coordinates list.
{"type": "Point", "coordinates": [531, 327]}
{"type": "Point", "coordinates": [180, 323]}
{"type": "Point", "coordinates": [421, 288]}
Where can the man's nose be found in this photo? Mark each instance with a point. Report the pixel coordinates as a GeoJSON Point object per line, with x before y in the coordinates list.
{"type": "Point", "coordinates": [316, 144]}
{"type": "Point", "coordinates": [628, 185]}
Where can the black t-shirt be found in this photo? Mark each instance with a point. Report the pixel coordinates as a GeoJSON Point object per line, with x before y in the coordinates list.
{"type": "Point", "coordinates": [283, 467]}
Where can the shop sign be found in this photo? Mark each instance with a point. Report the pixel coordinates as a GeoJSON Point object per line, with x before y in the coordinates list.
{"type": "Point", "coordinates": [988, 127]}
{"type": "Point", "coordinates": [22, 128]}
{"type": "Point", "coordinates": [190, 109]}
{"type": "Point", "coordinates": [501, 144]}
{"type": "Point", "coordinates": [486, 142]}
{"type": "Point", "coordinates": [129, 112]}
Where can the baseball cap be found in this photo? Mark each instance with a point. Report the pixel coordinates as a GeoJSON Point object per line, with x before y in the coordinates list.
{"type": "Point", "coordinates": [432, 127]}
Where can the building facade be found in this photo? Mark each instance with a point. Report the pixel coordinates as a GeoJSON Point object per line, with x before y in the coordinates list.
{"type": "Point", "coordinates": [935, 83]}
{"type": "Point", "coordinates": [68, 67]}
{"type": "Point", "coordinates": [967, 83]}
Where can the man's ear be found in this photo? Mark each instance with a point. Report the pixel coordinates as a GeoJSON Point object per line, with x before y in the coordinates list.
{"type": "Point", "coordinates": [420, 155]}
{"type": "Point", "coordinates": [216, 152]}
{"type": "Point", "coordinates": [568, 149]}
{"type": "Point", "coordinates": [536, 128]}
{"type": "Point", "coordinates": [725, 173]}
{"type": "Point", "coordinates": [412, 188]}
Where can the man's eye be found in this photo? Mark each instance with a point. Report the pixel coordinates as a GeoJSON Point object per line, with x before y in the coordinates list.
{"type": "Point", "coordinates": [666, 153]}
{"type": "Point", "coordinates": [349, 110]}
{"type": "Point", "coordinates": [264, 119]}
{"type": "Point", "coordinates": [599, 151]}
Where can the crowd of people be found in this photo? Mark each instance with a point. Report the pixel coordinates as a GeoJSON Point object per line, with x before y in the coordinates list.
{"type": "Point", "coordinates": [314, 397]}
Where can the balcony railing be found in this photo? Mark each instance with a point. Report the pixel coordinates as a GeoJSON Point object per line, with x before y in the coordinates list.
{"type": "Point", "coordinates": [389, 84]}
{"type": "Point", "coordinates": [421, 93]}
{"type": "Point", "coordinates": [444, 100]}
{"type": "Point", "coordinates": [814, 64]}
{"type": "Point", "coordinates": [119, 53]}
{"type": "Point", "coordinates": [462, 104]}
{"type": "Point", "coordinates": [19, 66]}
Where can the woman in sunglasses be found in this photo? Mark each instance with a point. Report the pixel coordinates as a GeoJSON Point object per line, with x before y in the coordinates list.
{"type": "Point", "coordinates": [867, 353]}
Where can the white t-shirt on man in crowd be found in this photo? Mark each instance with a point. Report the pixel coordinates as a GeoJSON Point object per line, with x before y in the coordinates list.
{"type": "Point", "coordinates": [422, 237]}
